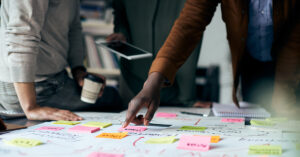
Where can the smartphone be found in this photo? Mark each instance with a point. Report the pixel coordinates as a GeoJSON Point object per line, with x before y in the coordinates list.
{"type": "Point", "coordinates": [125, 50]}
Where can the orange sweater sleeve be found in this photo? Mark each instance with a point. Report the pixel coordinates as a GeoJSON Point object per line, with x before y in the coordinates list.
{"type": "Point", "coordinates": [184, 36]}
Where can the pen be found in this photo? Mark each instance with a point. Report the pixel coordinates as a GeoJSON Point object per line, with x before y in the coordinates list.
{"type": "Point", "coordinates": [191, 113]}
{"type": "Point", "coordinates": [161, 125]}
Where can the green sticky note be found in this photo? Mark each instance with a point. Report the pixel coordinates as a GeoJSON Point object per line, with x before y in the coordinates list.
{"type": "Point", "coordinates": [97, 124]}
{"type": "Point", "coordinates": [24, 142]}
{"type": "Point", "coordinates": [65, 122]}
{"type": "Point", "coordinates": [265, 150]}
{"type": "Point", "coordinates": [277, 119]}
{"type": "Point", "coordinates": [297, 146]}
{"type": "Point", "coordinates": [194, 128]}
{"type": "Point", "coordinates": [261, 123]}
{"type": "Point", "coordinates": [161, 140]}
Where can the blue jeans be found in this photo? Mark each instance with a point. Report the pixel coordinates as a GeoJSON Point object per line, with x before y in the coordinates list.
{"type": "Point", "coordinates": [61, 92]}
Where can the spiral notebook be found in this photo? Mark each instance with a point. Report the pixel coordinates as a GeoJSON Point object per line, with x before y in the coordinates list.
{"type": "Point", "coordinates": [245, 110]}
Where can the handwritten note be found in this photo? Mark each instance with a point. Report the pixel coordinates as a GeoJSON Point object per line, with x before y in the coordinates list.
{"type": "Point", "coordinates": [24, 142]}
{"type": "Point", "coordinates": [261, 123]}
{"type": "Point", "coordinates": [161, 140]}
{"type": "Point", "coordinates": [113, 135]}
{"type": "Point", "coordinates": [99, 154]}
{"type": "Point", "coordinates": [136, 129]}
{"type": "Point", "coordinates": [198, 143]}
{"type": "Point", "coordinates": [277, 119]}
{"type": "Point", "coordinates": [50, 128]}
{"type": "Point", "coordinates": [232, 120]}
{"type": "Point", "coordinates": [193, 128]}
{"type": "Point", "coordinates": [165, 115]}
{"type": "Point", "coordinates": [84, 129]}
{"type": "Point", "coordinates": [65, 122]}
{"type": "Point", "coordinates": [97, 124]}
{"type": "Point", "coordinates": [265, 150]}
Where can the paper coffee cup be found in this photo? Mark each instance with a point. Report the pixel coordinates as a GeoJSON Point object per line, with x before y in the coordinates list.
{"type": "Point", "coordinates": [91, 88]}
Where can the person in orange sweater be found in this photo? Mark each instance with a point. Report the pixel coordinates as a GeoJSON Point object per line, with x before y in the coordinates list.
{"type": "Point", "coordinates": [264, 39]}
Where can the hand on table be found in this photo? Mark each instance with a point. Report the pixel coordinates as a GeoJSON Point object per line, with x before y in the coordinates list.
{"type": "Point", "coordinates": [49, 113]}
{"type": "Point", "coordinates": [148, 97]}
{"type": "Point", "coordinates": [116, 37]}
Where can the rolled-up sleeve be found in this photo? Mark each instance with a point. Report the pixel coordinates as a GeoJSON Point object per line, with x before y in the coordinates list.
{"type": "Point", "coordinates": [22, 37]}
{"type": "Point", "coordinates": [76, 52]}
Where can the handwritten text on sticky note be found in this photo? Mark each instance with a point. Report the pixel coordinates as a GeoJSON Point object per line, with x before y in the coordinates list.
{"type": "Point", "coordinates": [190, 142]}
{"type": "Point", "coordinates": [265, 150]}
{"type": "Point", "coordinates": [193, 128]}
{"type": "Point", "coordinates": [165, 115]}
{"type": "Point", "coordinates": [66, 122]}
{"type": "Point", "coordinates": [136, 129]}
{"type": "Point", "coordinates": [24, 142]}
{"type": "Point", "coordinates": [113, 135]}
{"type": "Point", "coordinates": [161, 140]}
{"type": "Point", "coordinates": [99, 154]}
{"type": "Point", "coordinates": [84, 129]}
{"type": "Point", "coordinates": [261, 123]}
{"type": "Point", "coordinates": [50, 128]}
{"type": "Point", "coordinates": [97, 124]}
{"type": "Point", "coordinates": [232, 120]}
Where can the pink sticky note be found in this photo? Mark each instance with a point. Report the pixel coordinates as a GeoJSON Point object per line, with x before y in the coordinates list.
{"type": "Point", "coordinates": [190, 142]}
{"type": "Point", "coordinates": [232, 120]}
{"type": "Point", "coordinates": [166, 115]}
{"type": "Point", "coordinates": [133, 129]}
{"type": "Point", "coordinates": [80, 128]}
{"type": "Point", "coordinates": [99, 154]}
{"type": "Point", "coordinates": [51, 128]}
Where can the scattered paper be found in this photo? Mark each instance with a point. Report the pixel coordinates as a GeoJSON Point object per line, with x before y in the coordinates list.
{"type": "Point", "coordinates": [233, 120]}
{"type": "Point", "coordinates": [277, 119]}
{"type": "Point", "coordinates": [66, 122]}
{"type": "Point", "coordinates": [50, 128]}
{"type": "Point", "coordinates": [97, 124]}
{"type": "Point", "coordinates": [24, 142]}
{"type": "Point", "coordinates": [265, 150]}
{"type": "Point", "coordinates": [261, 123]}
{"type": "Point", "coordinates": [165, 115]}
{"type": "Point", "coordinates": [113, 135]}
{"type": "Point", "coordinates": [194, 128]}
{"type": "Point", "coordinates": [198, 143]}
{"type": "Point", "coordinates": [161, 140]}
{"type": "Point", "coordinates": [136, 129]}
{"type": "Point", "coordinates": [98, 154]}
{"type": "Point", "coordinates": [84, 129]}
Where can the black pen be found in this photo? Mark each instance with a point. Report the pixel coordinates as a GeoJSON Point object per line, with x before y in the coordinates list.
{"type": "Point", "coordinates": [161, 125]}
{"type": "Point", "coordinates": [191, 113]}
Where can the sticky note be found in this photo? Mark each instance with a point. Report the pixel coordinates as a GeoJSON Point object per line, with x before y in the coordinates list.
{"type": "Point", "coordinates": [165, 115]}
{"type": "Point", "coordinates": [113, 135]}
{"type": "Point", "coordinates": [214, 139]}
{"type": "Point", "coordinates": [133, 129]}
{"type": "Point", "coordinates": [50, 128]}
{"type": "Point", "coordinates": [84, 129]}
{"type": "Point", "coordinates": [194, 128]}
{"type": "Point", "coordinates": [97, 124]}
{"type": "Point", "coordinates": [65, 122]}
{"type": "Point", "coordinates": [99, 154]}
{"type": "Point", "coordinates": [232, 120]}
{"type": "Point", "coordinates": [161, 140]}
{"type": "Point", "coordinates": [261, 123]}
{"type": "Point", "coordinates": [265, 150]}
{"type": "Point", "coordinates": [297, 146]}
{"type": "Point", "coordinates": [24, 142]}
{"type": "Point", "coordinates": [277, 119]}
{"type": "Point", "coordinates": [198, 143]}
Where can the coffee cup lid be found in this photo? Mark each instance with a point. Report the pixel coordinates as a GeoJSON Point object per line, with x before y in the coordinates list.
{"type": "Point", "coordinates": [94, 78]}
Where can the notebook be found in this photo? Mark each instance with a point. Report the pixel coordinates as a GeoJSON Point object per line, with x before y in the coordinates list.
{"type": "Point", "coordinates": [245, 110]}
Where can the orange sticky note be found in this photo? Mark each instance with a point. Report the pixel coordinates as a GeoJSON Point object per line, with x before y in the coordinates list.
{"type": "Point", "coordinates": [113, 135]}
{"type": "Point", "coordinates": [214, 139]}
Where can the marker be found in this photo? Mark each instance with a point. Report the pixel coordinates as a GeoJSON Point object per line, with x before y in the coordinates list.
{"type": "Point", "coordinates": [161, 125]}
{"type": "Point", "coordinates": [191, 113]}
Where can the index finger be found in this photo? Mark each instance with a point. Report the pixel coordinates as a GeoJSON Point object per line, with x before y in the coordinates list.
{"type": "Point", "coordinates": [133, 108]}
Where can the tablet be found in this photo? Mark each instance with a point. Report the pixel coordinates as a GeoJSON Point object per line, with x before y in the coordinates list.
{"type": "Point", "coordinates": [125, 50]}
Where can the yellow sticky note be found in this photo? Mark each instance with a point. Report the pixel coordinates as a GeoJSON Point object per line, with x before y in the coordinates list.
{"type": "Point", "coordinates": [214, 139]}
{"type": "Point", "coordinates": [24, 142]}
{"type": "Point", "coordinates": [297, 146]}
{"type": "Point", "coordinates": [193, 128]}
{"type": "Point", "coordinates": [113, 135]}
{"type": "Point", "coordinates": [65, 122]}
{"type": "Point", "coordinates": [161, 140]}
{"type": "Point", "coordinates": [277, 119]}
{"type": "Point", "coordinates": [97, 124]}
{"type": "Point", "coordinates": [261, 123]}
{"type": "Point", "coordinates": [265, 150]}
